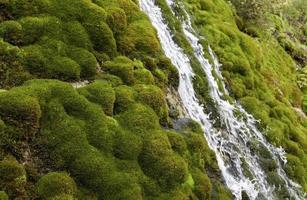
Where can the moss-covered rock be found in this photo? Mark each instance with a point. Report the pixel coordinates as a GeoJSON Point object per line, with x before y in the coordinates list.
{"type": "Point", "coordinates": [55, 184]}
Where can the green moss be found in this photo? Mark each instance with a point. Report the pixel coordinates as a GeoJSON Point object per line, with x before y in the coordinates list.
{"type": "Point", "coordinates": [171, 72]}
{"type": "Point", "coordinates": [86, 195]}
{"type": "Point", "coordinates": [63, 197]}
{"type": "Point", "coordinates": [258, 108]}
{"type": "Point", "coordinates": [143, 76]}
{"type": "Point", "coordinates": [25, 7]}
{"type": "Point", "coordinates": [86, 60]}
{"type": "Point", "coordinates": [127, 156]}
{"type": "Point", "coordinates": [115, 158]}
{"type": "Point", "coordinates": [159, 162]}
{"type": "Point", "coordinates": [12, 72]}
{"type": "Point", "coordinates": [76, 35]}
{"type": "Point", "coordinates": [20, 112]}
{"type": "Point", "coordinates": [131, 72]}
{"type": "Point", "coordinates": [127, 146]}
{"type": "Point", "coordinates": [295, 170]}
{"type": "Point", "coordinates": [55, 184]}
{"type": "Point", "coordinates": [3, 196]}
{"type": "Point", "coordinates": [258, 71]}
{"type": "Point", "coordinates": [12, 177]}
{"type": "Point", "coordinates": [203, 185]}
{"type": "Point", "coordinates": [57, 60]}
{"type": "Point", "coordinates": [139, 37]}
{"type": "Point", "coordinates": [11, 31]}
{"type": "Point", "coordinates": [139, 119]}
{"type": "Point", "coordinates": [121, 67]}
{"type": "Point", "coordinates": [101, 93]}
{"type": "Point", "coordinates": [125, 97]}
{"type": "Point", "coordinates": [131, 9]}
{"type": "Point", "coordinates": [40, 63]}
{"type": "Point", "coordinates": [102, 38]}
{"type": "Point", "coordinates": [154, 98]}
{"type": "Point", "coordinates": [33, 28]}
{"type": "Point", "coordinates": [275, 132]}
{"type": "Point", "coordinates": [117, 19]}
{"type": "Point", "coordinates": [113, 80]}
{"type": "Point", "coordinates": [177, 142]}
{"type": "Point", "coordinates": [64, 68]}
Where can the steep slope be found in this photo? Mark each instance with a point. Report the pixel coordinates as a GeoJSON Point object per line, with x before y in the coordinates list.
{"type": "Point", "coordinates": [111, 139]}
{"type": "Point", "coordinates": [262, 76]}
{"type": "Point", "coordinates": [248, 162]}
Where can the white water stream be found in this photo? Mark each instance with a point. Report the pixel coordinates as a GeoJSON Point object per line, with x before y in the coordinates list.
{"type": "Point", "coordinates": [232, 143]}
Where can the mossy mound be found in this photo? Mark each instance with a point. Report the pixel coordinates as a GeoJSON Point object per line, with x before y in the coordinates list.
{"type": "Point", "coordinates": [12, 178]}
{"type": "Point", "coordinates": [68, 40]}
{"type": "Point", "coordinates": [56, 184]}
{"type": "Point", "coordinates": [126, 155]}
{"type": "Point", "coordinates": [106, 140]}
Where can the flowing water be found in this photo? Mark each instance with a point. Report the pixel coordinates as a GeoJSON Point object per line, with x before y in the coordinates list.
{"type": "Point", "coordinates": [233, 143]}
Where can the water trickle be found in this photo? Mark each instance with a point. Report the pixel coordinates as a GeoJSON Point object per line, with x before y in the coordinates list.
{"type": "Point", "coordinates": [232, 144]}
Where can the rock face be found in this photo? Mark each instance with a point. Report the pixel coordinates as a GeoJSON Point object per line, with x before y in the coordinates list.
{"type": "Point", "coordinates": [176, 109]}
{"type": "Point", "coordinates": [80, 84]}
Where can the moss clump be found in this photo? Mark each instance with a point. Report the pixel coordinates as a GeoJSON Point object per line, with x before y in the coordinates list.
{"type": "Point", "coordinates": [101, 93]}
{"type": "Point", "coordinates": [3, 196]}
{"type": "Point", "coordinates": [158, 161]}
{"type": "Point", "coordinates": [12, 72]}
{"type": "Point", "coordinates": [64, 68]}
{"type": "Point", "coordinates": [55, 184]}
{"type": "Point", "coordinates": [139, 37]}
{"type": "Point", "coordinates": [12, 177]}
{"type": "Point", "coordinates": [116, 19]}
{"type": "Point", "coordinates": [131, 72]}
{"type": "Point", "coordinates": [21, 113]}
{"type": "Point", "coordinates": [253, 105]}
{"type": "Point", "coordinates": [46, 63]}
{"type": "Point", "coordinates": [177, 142]}
{"type": "Point", "coordinates": [122, 67]}
{"type": "Point", "coordinates": [127, 146]}
{"type": "Point", "coordinates": [154, 98]}
{"type": "Point", "coordinates": [170, 71]}
{"type": "Point", "coordinates": [61, 42]}
{"type": "Point", "coordinates": [11, 31]}
{"type": "Point", "coordinates": [86, 60]}
{"type": "Point", "coordinates": [102, 37]}
{"type": "Point", "coordinates": [125, 97]}
{"type": "Point", "coordinates": [140, 119]}
{"type": "Point", "coordinates": [295, 169]}
{"type": "Point", "coordinates": [203, 185]}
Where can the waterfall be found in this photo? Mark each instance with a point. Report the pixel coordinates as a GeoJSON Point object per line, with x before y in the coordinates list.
{"type": "Point", "coordinates": [232, 143]}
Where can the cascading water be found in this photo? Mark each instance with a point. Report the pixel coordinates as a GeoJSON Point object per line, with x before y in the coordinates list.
{"type": "Point", "coordinates": [232, 143]}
